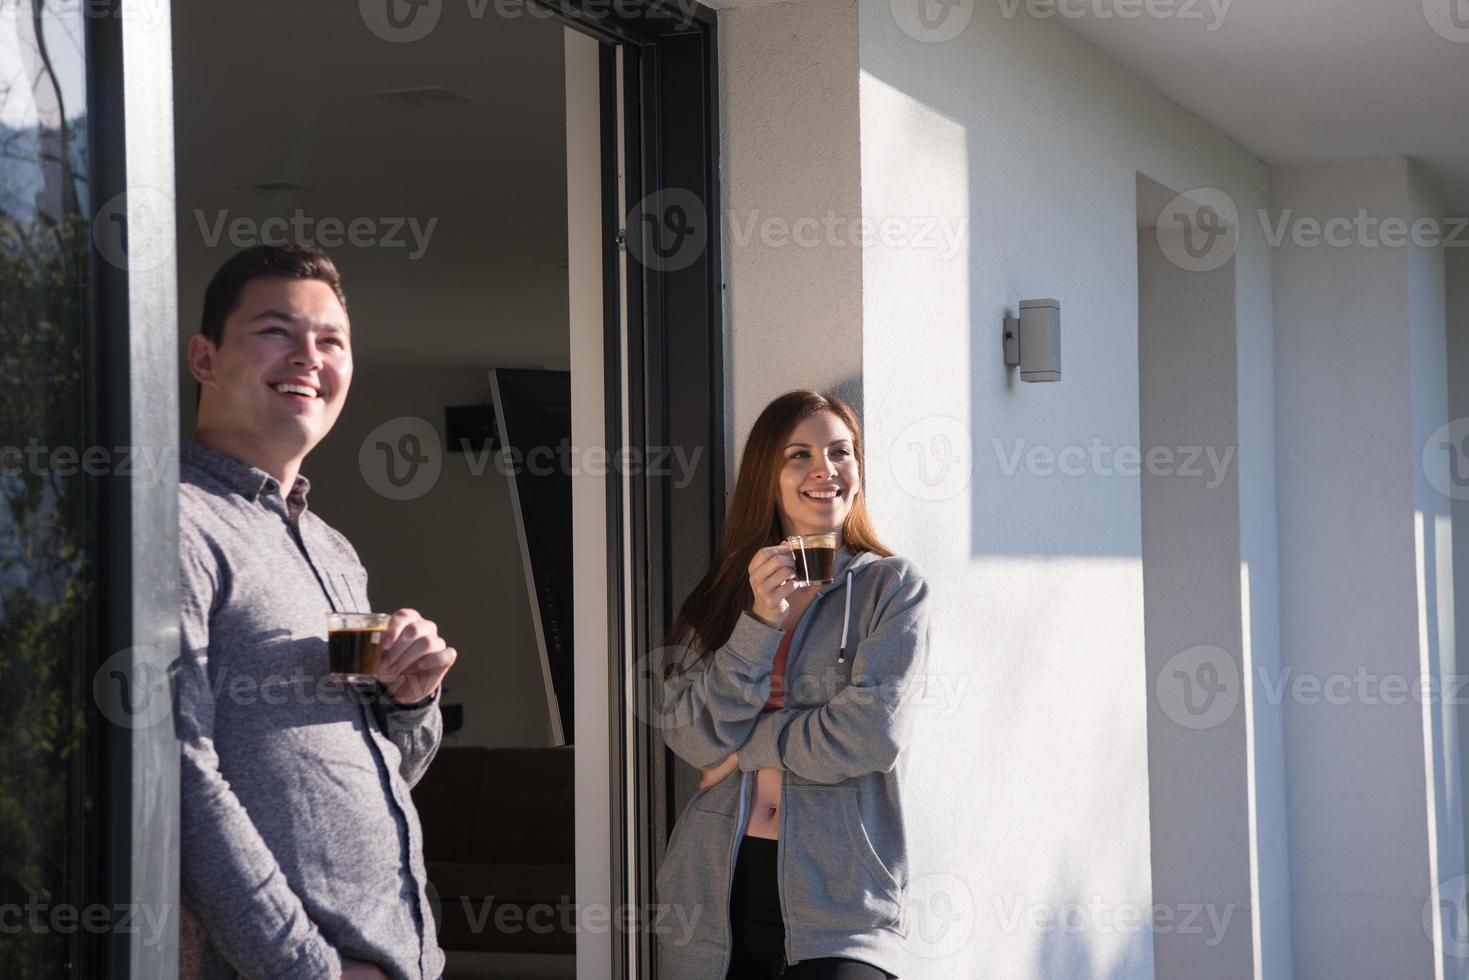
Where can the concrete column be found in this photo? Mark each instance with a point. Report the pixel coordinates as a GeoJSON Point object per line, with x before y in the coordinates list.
{"type": "Point", "coordinates": [790, 160]}
{"type": "Point", "coordinates": [1198, 745]}
{"type": "Point", "coordinates": [1360, 386]}
{"type": "Point", "coordinates": [1456, 275]}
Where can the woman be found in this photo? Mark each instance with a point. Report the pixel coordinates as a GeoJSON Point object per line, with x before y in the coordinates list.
{"type": "Point", "coordinates": [791, 859]}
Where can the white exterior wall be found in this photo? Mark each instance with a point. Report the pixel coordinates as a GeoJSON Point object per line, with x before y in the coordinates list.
{"type": "Point", "coordinates": [1004, 161]}
{"type": "Point", "coordinates": [1037, 140]}
{"type": "Point", "coordinates": [1027, 142]}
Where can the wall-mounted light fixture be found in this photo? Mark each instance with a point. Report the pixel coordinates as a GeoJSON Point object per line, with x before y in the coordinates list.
{"type": "Point", "coordinates": [1033, 340]}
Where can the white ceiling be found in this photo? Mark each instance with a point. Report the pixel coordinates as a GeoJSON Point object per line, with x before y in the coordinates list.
{"type": "Point", "coordinates": [1310, 81]}
{"type": "Point", "coordinates": [283, 91]}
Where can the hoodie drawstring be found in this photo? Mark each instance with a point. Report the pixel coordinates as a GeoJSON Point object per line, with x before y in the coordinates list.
{"type": "Point", "coordinates": [846, 615]}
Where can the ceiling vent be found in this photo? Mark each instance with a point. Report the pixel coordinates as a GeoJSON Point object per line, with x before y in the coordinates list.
{"type": "Point", "coordinates": [275, 186]}
{"type": "Point", "coordinates": [432, 95]}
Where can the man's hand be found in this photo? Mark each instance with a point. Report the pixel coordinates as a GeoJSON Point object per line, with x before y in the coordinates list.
{"type": "Point", "coordinates": [714, 774]}
{"type": "Point", "coordinates": [358, 970]}
{"type": "Point", "coordinates": [414, 658]}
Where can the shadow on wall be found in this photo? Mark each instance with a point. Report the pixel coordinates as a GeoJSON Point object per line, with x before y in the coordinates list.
{"type": "Point", "coordinates": [1034, 191]}
{"type": "Point", "coordinates": [997, 213]}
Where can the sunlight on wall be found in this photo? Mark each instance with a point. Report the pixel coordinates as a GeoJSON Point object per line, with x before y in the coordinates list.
{"type": "Point", "coordinates": [1247, 660]}
{"type": "Point", "coordinates": [1432, 783]}
{"type": "Point", "coordinates": [1032, 655]}
{"type": "Point", "coordinates": [915, 276]}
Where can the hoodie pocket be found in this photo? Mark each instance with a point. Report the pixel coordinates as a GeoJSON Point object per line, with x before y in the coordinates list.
{"type": "Point", "coordinates": [862, 844]}
{"type": "Point", "coordinates": [835, 880]}
{"type": "Point", "coordinates": [692, 882]}
{"type": "Point", "coordinates": [722, 798]}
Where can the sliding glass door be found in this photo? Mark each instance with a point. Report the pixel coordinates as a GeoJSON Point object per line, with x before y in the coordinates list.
{"type": "Point", "coordinates": [48, 541]}
{"type": "Point", "coordinates": [88, 791]}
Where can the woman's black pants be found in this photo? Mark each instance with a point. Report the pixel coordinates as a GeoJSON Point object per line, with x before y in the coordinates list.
{"type": "Point", "coordinates": [759, 931]}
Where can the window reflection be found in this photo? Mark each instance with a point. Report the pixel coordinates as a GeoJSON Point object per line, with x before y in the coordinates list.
{"type": "Point", "coordinates": [45, 524]}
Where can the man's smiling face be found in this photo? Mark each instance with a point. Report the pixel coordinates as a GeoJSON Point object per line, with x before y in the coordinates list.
{"type": "Point", "coordinates": [280, 374]}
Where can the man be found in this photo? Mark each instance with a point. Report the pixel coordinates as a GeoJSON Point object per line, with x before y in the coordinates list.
{"type": "Point", "coordinates": [302, 853]}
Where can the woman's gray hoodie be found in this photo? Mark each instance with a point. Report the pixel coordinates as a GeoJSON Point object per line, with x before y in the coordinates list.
{"type": "Point", "coordinates": [843, 855]}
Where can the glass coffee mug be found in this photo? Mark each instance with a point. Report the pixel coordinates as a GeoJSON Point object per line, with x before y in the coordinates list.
{"type": "Point", "coordinates": [354, 645]}
{"type": "Point", "coordinates": [816, 557]}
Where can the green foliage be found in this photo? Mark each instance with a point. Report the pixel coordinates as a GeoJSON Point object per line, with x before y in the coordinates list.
{"type": "Point", "coordinates": [45, 551]}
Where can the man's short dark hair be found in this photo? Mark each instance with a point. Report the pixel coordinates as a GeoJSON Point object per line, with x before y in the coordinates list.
{"type": "Point", "coordinates": [291, 261]}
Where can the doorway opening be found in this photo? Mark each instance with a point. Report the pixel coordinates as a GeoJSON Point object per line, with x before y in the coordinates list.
{"type": "Point", "coordinates": [433, 172]}
{"type": "Point", "coordinates": [1195, 625]}
{"type": "Point", "coordinates": [492, 190]}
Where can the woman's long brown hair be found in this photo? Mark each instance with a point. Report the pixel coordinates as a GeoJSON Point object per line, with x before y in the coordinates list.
{"type": "Point", "coordinates": [709, 613]}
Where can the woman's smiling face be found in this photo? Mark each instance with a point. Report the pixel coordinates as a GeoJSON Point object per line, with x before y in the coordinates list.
{"type": "Point", "coordinates": [819, 478]}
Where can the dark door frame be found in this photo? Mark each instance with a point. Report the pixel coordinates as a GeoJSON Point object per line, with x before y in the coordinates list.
{"type": "Point", "coordinates": [666, 230]}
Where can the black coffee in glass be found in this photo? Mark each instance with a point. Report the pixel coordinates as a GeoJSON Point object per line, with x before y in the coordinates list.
{"type": "Point", "coordinates": [816, 557]}
{"type": "Point", "coordinates": [354, 644]}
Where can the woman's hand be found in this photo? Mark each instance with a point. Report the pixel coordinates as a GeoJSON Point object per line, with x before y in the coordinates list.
{"type": "Point", "coordinates": [772, 579]}
{"type": "Point", "coordinates": [714, 774]}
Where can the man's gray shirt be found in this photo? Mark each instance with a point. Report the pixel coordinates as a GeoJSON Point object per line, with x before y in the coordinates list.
{"type": "Point", "coordinates": [301, 844]}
